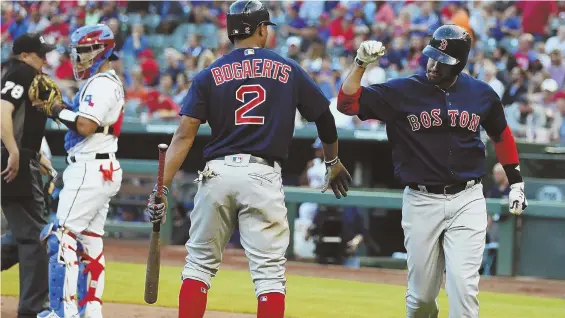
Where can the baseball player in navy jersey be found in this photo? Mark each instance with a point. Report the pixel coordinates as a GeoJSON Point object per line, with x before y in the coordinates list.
{"type": "Point", "coordinates": [249, 97]}
{"type": "Point", "coordinates": [433, 123]}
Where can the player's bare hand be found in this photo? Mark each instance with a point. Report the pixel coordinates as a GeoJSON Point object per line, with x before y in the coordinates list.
{"type": "Point", "coordinates": [338, 178]}
{"type": "Point", "coordinates": [158, 211]}
{"type": "Point", "coordinates": [517, 201]}
{"type": "Point", "coordinates": [12, 167]}
{"type": "Point", "coordinates": [369, 52]}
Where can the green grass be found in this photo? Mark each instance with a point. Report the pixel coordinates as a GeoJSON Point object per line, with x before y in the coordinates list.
{"type": "Point", "coordinates": [309, 297]}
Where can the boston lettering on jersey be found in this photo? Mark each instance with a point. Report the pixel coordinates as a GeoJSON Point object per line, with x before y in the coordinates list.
{"type": "Point", "coordinates": [433, 118]}
{"type": "Point", "coordinates": [256, 68]}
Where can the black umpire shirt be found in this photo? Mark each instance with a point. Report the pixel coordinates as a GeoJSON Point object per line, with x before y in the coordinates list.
{"type": "Point", "coordinates": [28, 123]}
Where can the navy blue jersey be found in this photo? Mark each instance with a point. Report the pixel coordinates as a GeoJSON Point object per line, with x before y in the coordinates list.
{"type": "Point", "coordinates": [249, 98]}
{"type": "Point", "coordinates": [435, 134]}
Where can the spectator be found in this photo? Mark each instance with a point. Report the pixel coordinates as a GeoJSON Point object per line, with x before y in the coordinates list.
{"type": "Point", "coordinates": [58, 28]}
{"type": "Point", "coordinates": [149, 67]}
{"type": "Point", "coordinates": [559, 133]}
{"type": "Point", "coordinates": [137, 41]}
{"type": "Point", "coordinates": [517, 86]}
{"type": "Point", "coordinates": [119, 38]}
{"type": "Point", "coordinates": [80, 21]}
{"type": "Point", "coordinates": [556, 42]}
{"type": "Point", "coordinates": [490, 78]}
{"type": "Point", "coordinates": [161, 106]}
{"type": "Point", "coordinates": [64, 70]}
{"type": "Point", "coordinates": [526, 119]}
{"type": "Point", "coordinates": [193, 46]}
{"type": "Point", "coordinates": [37, 22]}
{"type": "Point", "coordinates": [385, 13]}
{"type": "Point", "coordinates": [557, 68]}
{"type": "Point", "coordinates": [173, 63]}
{"type": "Point", "coordinates": [425, 22]}
{"type": "Point", "coordinates": [501, 187]}
{"type": "Point", "coordinates": [535, 17]}
{"type": "Point", "coordinates": [183, 84]}
{"type": "Point", "coordinates": [525, 55]}
{"type": "Point", "coordinates": [92, 13]}
{"type": "Point", "coordinates": [19, 25]}
{"type": "Point", "coordinates": [166, 84]}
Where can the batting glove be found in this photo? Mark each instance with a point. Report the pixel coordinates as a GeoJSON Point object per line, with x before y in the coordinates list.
{"type": "Point", "coordinates": [517, 199]}
{"type": "Point", "coordinates": [157, 211]}
{"type": "Point", "coordinates": [369, 52]}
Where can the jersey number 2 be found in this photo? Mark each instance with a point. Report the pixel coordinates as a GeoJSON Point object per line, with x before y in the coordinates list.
{"type": "Point", "coordinates": [261, 95]}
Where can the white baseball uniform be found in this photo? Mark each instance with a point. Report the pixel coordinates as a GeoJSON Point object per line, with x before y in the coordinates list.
{"type": "Point", "coordinates": [91, 179]}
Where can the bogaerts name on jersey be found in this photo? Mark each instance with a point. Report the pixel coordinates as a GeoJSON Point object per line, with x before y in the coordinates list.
{"type": "Point", "coordinates": [256, 68]}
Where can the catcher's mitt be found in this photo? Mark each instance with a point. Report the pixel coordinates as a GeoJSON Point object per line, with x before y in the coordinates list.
{"type": "Point", "coordinates": [44, 93]}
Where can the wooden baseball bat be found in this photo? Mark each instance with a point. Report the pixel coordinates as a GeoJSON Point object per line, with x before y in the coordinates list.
{"type": "Point", "coordinates": [154, 257]}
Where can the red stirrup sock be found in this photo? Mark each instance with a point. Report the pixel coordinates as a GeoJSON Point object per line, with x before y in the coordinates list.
{"type": "Point", "coordinates": [192, 299]}
{"type": "Point", "coordinates": [270, 305]}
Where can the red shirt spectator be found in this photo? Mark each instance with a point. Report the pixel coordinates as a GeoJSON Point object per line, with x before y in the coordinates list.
{"type": "Point", "coordinates": [65, 69]}
{"type": "Point", "coordinates": [57, 29]}
{"type": "Point", "coordinates": [341, 30]}
{"type": "Point", "coordinates": [149, 67]}
{"type": "Point", "coordinates": [158, 102]}
{"type": "Point", "coordinates": [535, 15]}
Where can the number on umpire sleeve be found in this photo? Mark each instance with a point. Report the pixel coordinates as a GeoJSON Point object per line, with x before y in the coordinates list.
{"type": "Point", "coordinates": [17, 90]}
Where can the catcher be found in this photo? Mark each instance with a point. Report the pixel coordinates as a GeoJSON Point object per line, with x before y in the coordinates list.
{"type": "Point", "coordinates": [23, 128]}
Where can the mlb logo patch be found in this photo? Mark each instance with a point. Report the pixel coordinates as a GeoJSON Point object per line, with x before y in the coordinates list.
{"type": "Point", "coordinates": [237, 159]}
{"type": "Point", "coordinates": [203, 290]}
{"type": "Point", "coordinates": [249, 52]}
{"type": "Point", "coordinates": [263, 298]}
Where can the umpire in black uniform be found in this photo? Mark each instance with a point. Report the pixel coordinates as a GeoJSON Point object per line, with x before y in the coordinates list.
{"type": "Point", "coordinates": [23, 127]}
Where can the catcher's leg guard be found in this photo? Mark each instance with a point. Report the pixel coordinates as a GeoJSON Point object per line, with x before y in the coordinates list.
{"type": "Point", "coordinates": [63, 269]}
{"type": "Point", "coordinates": [91, 276]}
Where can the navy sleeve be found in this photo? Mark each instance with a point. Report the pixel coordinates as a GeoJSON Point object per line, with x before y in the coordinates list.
{"type": "Point", "coordinates": [194, 103]}
{"type": "Point", "coordinates": [374, 102]}
{"type": "Point", "coordinates": [311, 101]}
{"type": "Point", "coordinates": [495, 122]}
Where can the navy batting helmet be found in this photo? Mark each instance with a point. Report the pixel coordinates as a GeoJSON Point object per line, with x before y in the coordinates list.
{"type": "Point", "coordinates": [450, 44]}
{"type": "Point", "coordinates": [245, 16]}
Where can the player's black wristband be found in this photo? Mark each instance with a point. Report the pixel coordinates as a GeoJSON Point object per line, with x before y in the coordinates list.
{"type": "Point", "coordinates": [513, 173]}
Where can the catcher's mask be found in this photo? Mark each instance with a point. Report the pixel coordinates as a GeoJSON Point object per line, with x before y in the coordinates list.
{"type": "Point", "coordinates": [90, 47]}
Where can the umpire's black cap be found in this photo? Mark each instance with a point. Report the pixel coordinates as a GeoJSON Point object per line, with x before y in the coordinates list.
{"type": "Point", "coordinates": [450, 44]}
{"type": "Point", "coordinates": [244, 16]}
{"type": "Point", "coordinates": [31, 43]}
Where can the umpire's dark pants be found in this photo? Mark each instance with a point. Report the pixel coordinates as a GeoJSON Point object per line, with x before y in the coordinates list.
{"type": "Point", "coordinates": [25, 216]}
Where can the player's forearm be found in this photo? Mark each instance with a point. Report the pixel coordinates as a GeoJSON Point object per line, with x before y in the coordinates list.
{"type": "Point", "coordinates": [179, 148]}
{"type": "Point", "coordinates": [7, 128]}
{"type": "Point", "coordinates": [350, 91]}
{"type": "Point", "coordinates": [507, 154]}
{"type": "Point", "coordinates": [352, 82]}
{"type": "Point", "coordinates": [177, 152]}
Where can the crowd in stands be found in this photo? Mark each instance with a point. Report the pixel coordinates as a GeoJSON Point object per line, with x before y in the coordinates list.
{"type": "Point", "coordinates": [518, 48]}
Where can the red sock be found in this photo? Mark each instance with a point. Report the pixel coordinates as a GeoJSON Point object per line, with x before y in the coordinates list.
{"type": "Point", "coordinates": [192, 299]}
{"type": "Point", "coordinates": [270, 305]}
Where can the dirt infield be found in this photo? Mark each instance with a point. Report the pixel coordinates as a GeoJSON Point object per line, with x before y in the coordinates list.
{"type": "Point", "coordinates": [136, 252]}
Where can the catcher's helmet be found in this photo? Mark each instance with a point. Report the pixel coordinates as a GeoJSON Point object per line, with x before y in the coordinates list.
{"type": "Point", "coordinates": [450, 44]}
{"type": "Point", "coordinates": [244, 16]}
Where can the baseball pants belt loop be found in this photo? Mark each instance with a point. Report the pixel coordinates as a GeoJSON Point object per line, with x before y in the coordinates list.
{"type": "Point", "coordinates": [89, 157]}
{"type": "Point", "coordinates": [254, 159]}
{"type": "Point", "coordinates": [446, 189]}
